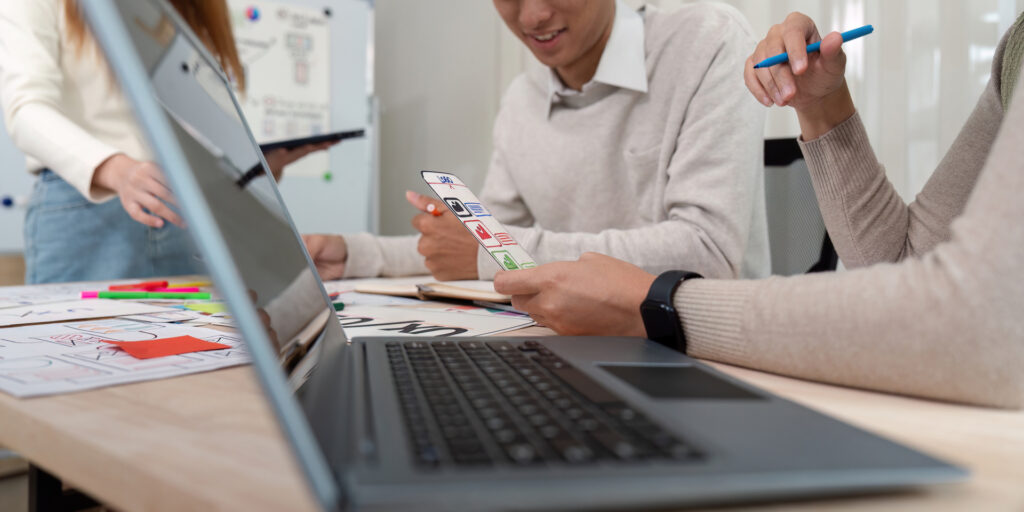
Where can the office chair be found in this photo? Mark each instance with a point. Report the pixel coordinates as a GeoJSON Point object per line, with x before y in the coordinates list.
{"type": "Point", "coordinates": [797, 237]}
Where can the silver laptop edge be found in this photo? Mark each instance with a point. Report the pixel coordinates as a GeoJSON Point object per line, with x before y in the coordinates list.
{"type": "Point", "coordinates": [109, 30]}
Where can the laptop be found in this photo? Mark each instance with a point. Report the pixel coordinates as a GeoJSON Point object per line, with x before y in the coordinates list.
{"type": "Point", "coordinates": [497, 423]}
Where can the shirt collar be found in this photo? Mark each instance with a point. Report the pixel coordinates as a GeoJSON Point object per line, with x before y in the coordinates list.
{"type": "Point", "coordinates": [622, 63]}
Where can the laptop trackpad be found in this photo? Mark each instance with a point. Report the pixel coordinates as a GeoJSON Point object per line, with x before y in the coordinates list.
{"type": "Point", "coordinates": [677, 382]}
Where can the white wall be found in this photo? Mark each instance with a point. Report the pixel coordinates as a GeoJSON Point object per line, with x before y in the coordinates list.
{"type": "Point", "coordinates": [441, 68]}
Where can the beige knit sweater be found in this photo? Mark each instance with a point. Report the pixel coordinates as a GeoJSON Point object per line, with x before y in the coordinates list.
{"type": "Point", "coordinates": [939, 312]}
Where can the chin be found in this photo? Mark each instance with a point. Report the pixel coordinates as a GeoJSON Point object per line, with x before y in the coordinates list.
{"type": "Point", "coordinates": [551, 61]}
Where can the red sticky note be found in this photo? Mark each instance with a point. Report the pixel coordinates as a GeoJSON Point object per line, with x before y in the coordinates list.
{"type": "Point", "coordinates": [166, 346]}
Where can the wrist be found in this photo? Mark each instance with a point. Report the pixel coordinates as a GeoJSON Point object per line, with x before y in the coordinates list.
{"type": "Point", "coordinates": [661, 321]}
{"type": "Point", "coordinates": [819, 118]}
{"type": "Point", "coordinates": [108, 174]}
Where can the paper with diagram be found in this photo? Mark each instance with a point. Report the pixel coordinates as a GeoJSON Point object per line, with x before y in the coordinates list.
{"type": "Point", "coordinates": [74, 310]}
{"type": "Point", "coordinates": [60, 358]}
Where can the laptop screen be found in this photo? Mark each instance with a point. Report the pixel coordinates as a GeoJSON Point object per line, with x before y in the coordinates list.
{"type": "Point", "coordinates": [232, 206]}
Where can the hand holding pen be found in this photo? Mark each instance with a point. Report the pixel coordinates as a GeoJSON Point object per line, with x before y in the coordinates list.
{"type": "Point", "coordinates": [814, 83]}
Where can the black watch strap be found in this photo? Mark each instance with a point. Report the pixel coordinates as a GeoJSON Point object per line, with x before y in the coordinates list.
{"type": "Point", "coordinates": [659, 314]}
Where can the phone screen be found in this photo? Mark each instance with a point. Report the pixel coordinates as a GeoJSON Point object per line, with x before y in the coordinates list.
{"type": "Point", "coordinates": [488, 232]}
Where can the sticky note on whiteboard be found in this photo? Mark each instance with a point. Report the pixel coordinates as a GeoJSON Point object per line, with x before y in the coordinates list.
{"type": "Point", "coordinates": [488, 232]}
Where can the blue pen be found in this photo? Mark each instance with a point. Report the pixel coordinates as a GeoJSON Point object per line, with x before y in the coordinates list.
{"type": "Point", "coordinates": [849, 35]}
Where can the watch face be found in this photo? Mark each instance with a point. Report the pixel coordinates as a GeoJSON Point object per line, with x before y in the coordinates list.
{"type": "Point", "coordinates": [661, 323]}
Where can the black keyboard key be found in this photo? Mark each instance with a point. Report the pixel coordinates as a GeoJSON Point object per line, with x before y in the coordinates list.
{"type": "Point", "coordinates": [552, 431]}
{"type": "Point", "coordinates": [579, 381]}
{"type": "Point", "coordinates": [522, 453]}
{"type": "Point", "coordinates": [619, 445]}
{"type": "Point", "coordinates": [573, 451]}
{"type": "Point", "coordinates": [472, 459]}
{"type": "Point", "coordinates": [507, 435]}
{"type": "Point", "coordinates": [428, 456]}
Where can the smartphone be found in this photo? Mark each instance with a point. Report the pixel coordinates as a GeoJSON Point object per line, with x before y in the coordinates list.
{"type": "Point", "coordinates": [476, 218]}
{"type": "Point", "coordinates": [316, 139]}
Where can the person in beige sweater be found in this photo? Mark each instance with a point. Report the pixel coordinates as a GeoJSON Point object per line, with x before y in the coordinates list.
{"type": "Point", "coordinates": [933, 305]}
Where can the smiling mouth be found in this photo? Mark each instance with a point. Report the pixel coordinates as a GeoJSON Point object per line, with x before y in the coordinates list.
{"type": "Point", "coordinates": [543, 38]}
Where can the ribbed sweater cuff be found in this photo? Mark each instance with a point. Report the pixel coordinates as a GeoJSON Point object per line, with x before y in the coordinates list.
{"type": "Point", "coordinates": [841, 159]}
{"type": "Point", "coordinates": [712, 314]}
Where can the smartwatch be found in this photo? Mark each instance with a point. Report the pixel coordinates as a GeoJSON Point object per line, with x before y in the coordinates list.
{"type": "Point", "coordinates": [658, 313]}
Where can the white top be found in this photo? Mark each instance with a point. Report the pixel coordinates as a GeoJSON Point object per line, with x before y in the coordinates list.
{"type": "Point", "coordinates": [622, 62]}
{"type": "Point", "coordinates": [63, 109]}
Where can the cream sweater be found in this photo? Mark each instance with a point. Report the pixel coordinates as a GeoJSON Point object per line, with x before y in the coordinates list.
{"type": "Point", "coordinates": [62, 109]}
{"type": "Point", "coordinates": [670, 178]}
{"type": "Point", "coordinates": [935, 305]}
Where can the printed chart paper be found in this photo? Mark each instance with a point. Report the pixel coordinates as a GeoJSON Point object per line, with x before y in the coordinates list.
{"type": "Point", "coordinates": [47, 359]}
{"type": "Point", "coordinates": [74, 310]}
{"type": "Point", "coordinates": [488, 232]}
{"type": "Point", "coordinates": [361, 321]}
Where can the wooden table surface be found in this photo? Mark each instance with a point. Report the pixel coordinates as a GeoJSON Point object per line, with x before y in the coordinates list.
{"type": "Point", "coordinates": [209, 442]}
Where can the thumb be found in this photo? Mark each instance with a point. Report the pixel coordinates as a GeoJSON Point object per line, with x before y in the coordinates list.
{"type": "Point", "coordinates": [833, 59]}
{"type": "Point", "coordinates": [420, 201]}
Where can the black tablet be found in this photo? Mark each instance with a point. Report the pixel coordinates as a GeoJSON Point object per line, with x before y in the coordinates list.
{"type": "Point", "coordinates": [316, 139]}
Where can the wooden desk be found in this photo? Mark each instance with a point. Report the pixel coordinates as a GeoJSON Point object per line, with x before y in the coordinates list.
{"type": "Point", "coordinates": [209, 442]}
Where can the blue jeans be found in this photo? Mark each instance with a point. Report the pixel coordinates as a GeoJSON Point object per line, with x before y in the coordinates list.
{"type": "Point", "coordinates": [68, 238]}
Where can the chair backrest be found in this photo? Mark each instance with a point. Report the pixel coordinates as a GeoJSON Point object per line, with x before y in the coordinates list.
{"type": "Point", "coordinates": [797, 237]}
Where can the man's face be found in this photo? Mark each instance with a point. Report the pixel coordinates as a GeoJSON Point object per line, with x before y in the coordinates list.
{"type": "Point", "coordinates": [558, 32]}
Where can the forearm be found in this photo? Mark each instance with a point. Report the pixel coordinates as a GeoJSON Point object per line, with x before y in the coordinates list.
{"type": "Point", "coordinates": [890, 328]}
{"type": "Point", "coordinates": [389, 256]}
{"type": "Point", "coordinates": [43, 133]}
{"type": "Point", "coordinates": [866, 219]}
{"type": "Point", "coordinates": [667, 245]}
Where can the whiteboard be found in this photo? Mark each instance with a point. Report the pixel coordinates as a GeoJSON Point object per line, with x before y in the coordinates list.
{"type": "Point", "coordinates": [15, 182]}
{"type": "Point", "coordinates": [346, 203]}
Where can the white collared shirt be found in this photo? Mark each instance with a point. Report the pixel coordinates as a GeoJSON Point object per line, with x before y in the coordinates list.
{"type": "Point", "coordinates": [622, 63]}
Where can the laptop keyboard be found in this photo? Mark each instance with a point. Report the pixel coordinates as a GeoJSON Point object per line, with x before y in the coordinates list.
{"type": "Point", "coordinates": [477, 403]}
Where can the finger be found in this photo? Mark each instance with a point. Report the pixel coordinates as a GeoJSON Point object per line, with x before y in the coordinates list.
{"type": "Point", "coordinates": [764, 76]}
{"type": "Point", "coordinates": [302, 151]}
{"type": "Point", "coordinates": [421, 222]}
{"type": "Point", "coordinates": [158, 208]}
{"type": "Point", "coordinates": [753, 85]}
{"type": "Point", "coordinates": [158, 189]}
{"type": "Point", "coordinates": [150, 170]}
{"type": "Point", "coordinates": [782, 74]}
{"type": "Point", "coordinates": [519, 282]}
{"type": "Point", "coordinates": [798, 33]}
{"type": "Point", "coordinates": [423, 246]}
{"type": "Point", "coordinates": [525, 303]}
{"type": "Point", "coordinates": [137, 214]}
{"type": "Point", "coordinates": [795, 40]}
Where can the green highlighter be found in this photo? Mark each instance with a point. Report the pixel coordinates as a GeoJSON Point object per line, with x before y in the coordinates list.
{"type": "Point", "coordinates": [145, 295]}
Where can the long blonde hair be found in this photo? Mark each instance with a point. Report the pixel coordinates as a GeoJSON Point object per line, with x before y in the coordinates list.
{"type": "Point", "coordinates": [210, 20]}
